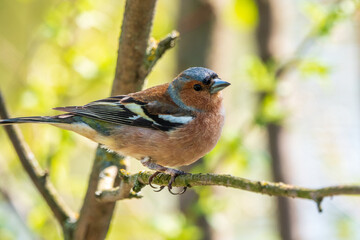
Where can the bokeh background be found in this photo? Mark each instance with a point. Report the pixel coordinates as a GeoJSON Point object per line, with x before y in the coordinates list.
{"type": "Point", "coordinates": [300, 125]}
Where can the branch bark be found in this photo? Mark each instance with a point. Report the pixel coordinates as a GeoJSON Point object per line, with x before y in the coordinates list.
{"type": "Point", "coordinates": [157, 49]}
{"type": "Point", "coordinates": [37, 175]}
{"type": "Point", "coordinates": [140, 180]}
{"type": "Point", "coordinates": [135, 31]}
{"type": "Point", "coordinates": [95, 217]}
{"type": "Point", "coordinates": [131, 70]}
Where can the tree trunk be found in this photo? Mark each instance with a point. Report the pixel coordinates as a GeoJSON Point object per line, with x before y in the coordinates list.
{"type": "Point", "coordinates": [195, 24]}
{"type": "Point", "coordinates": [270, 14]}
{"type": "Point", "coordinates": [95, 216]}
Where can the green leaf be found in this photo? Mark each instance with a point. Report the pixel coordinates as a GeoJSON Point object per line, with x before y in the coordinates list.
{"type": "Point", "coordinates": [241, 14]}
{"type": "Point", "coordinates": [271, 110]}
{"type": "Point", "coordinates": [260, 75]}
{"type": "Point", "coordinates": [314, 68]}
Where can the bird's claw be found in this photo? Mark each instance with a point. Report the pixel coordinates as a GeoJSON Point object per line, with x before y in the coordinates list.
{"type": "Point", "coordinates": [172, 180]}
{"type": "Point", "coordinates": [179, 193]}
{"type": "Point", "coordinates": [160, 188]}
{"type": "Point", "coordinates": [151, 179]}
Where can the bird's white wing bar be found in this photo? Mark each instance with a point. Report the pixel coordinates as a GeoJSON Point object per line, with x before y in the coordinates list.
{"type": "Point", "coordinates": [176, 119]}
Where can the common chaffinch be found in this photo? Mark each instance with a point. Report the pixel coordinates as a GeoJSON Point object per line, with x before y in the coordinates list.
{"type": "Point", "coordinates": [173, 124]}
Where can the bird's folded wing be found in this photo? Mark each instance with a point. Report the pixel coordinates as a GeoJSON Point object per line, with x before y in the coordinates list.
{"type": "Point", "coordinates": [125, 110]}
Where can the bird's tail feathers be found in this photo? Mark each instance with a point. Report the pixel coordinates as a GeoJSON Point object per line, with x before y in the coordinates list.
{"type": "Point", "coordinates": [37, 119]}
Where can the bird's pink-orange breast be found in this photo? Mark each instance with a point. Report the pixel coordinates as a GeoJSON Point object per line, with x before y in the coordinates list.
{"type": "Point", "coordinates": [179, 147]}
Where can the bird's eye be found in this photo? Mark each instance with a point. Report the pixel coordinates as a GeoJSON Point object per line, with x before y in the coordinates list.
{"type": "Point", "coordinates": [197, 87]}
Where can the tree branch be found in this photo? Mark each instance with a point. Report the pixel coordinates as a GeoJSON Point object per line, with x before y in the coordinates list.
{"type": "Point", "coordinates": [135, 32]}
{"type": "Point", "coordinates": [95, 216]}
{"type": "Point", "coordinates": [139, 180]}
{"type": "Point", "coordinates": [38, 176]}
{"type": "Point", "coordinates": [156, 50]}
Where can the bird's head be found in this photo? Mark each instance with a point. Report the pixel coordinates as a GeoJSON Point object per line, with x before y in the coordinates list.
{"type": "Point", "coordinates": [197, 89]}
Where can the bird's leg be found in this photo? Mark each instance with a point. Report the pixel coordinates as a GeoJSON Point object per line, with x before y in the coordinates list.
{"type": "Point", "coordinates": [146, 161]}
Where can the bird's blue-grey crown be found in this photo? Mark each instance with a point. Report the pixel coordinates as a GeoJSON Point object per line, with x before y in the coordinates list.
{"type": "Point", "coordinates": [203, 75]}
{"type": "Point", "coordinates": [199, 73]}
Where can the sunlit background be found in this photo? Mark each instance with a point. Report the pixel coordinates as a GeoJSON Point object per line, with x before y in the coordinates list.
{"type": "Point", "coordinates": [63, 52]}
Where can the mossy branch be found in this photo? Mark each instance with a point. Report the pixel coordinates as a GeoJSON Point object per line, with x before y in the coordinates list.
{"type": "Point", "coordinates": [139, 180]}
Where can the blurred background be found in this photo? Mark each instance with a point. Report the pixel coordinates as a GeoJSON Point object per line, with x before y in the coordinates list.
{"type": "Point", "coordinates": [293, 113]}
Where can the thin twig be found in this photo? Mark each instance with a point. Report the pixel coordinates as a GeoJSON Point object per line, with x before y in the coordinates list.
{"type": "Point", "coordinates": [264, 187]}
{"type": "Point", "coordinates": [38, 176]}
{"type": "Point", "coordinates": [310, 38]}
{"type": "Point", "coordinates": [156, 50]}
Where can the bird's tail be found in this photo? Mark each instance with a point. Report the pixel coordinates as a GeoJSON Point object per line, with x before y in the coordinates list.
{"type": "Point", "coordinates": [37, 119]}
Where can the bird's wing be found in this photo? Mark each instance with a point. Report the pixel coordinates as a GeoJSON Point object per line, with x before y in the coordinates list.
{"type": "Point", "coordinates": [125, 110]}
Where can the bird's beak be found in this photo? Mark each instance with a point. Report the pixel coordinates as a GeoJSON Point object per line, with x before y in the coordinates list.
{"type": "Point", "coordinates": [218, 85]}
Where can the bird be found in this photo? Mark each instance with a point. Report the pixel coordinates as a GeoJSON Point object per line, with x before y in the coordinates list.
{"type": "Point", "coordinates": [165, 126]}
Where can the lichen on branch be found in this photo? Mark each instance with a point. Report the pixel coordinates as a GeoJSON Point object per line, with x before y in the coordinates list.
{"type": "Point", "coordinates": [137, 181]}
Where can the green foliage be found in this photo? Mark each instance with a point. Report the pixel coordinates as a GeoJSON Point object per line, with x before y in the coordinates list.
{"type": "Point", "coordinates": [39, 221]}
{"type": "Point", "coordinates": [313, 67]}
{"type": "Point", "coordinates": [229, 152]}
{"type": "Point", "coordinates": [263, 79]}
{"type": "Point", "coordinates": [344, 228]}
{"type": "Point", "coordinates": [325, 16]}
{"type": "Point", "coordinates": [271, 110]}
{"type": "Point", "coordinates": [57, 53]}
{"type": "Point", "coordinates": [261, 75]}
{"type": "Point", "coordinates": [6, 232]}
{"type": "Point", "coordinates": [241, 14]}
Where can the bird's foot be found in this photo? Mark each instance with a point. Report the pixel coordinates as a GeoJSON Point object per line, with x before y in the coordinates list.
{"type": "Point", "coordinates": [151, 179]}
{"type": "Point", "coordinates": [159, 169]}
{"type": "Point", "coordinates": [174, 173]}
